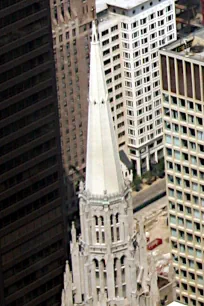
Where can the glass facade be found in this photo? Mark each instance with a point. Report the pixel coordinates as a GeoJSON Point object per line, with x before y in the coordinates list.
{"type": "Point", "coordinates": [183, 95]}
{"type": "Point", "coordinates": [32, 236]}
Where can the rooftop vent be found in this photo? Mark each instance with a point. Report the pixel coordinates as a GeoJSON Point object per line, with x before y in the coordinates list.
{"type": "Point", "coordinates": [197, 49]}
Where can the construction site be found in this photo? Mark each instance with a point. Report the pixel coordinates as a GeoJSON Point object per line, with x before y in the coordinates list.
{"type": "Point", "coordinates": [157, 234]}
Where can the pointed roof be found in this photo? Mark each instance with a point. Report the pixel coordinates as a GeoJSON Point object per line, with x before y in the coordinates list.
{"type": "Point", "coordinates": [103, 170]}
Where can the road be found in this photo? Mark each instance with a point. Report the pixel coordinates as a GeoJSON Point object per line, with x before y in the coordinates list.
{"type": "Point", "coordinates": [149, 193]}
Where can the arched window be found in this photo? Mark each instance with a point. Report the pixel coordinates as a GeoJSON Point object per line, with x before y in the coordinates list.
{"type": "Point", "coordinates": [102, 221]}
{"type": "Point", "coordinates": [97, 236]}
{"type": "Point", "coordinates": [116, 276]}
{"type": "Point", "coordinates": [122, 260]}
{"type": "Point", "coordinates": [112, 234]}
{"type": "Point", "coordinates": [96, 220]}
{"type": "Point", "coordinates": [117, 227]}
{"type": "Point", "coordinates": [118, 233]}
{"type": "Point", "coordinates": [103, 236]}
{"type": "Point", "coordinates": [123, 279]}
{"type": "Point", "coordinates": [112, 230]}
{"type": "Point", "coordinates": [95, 261]}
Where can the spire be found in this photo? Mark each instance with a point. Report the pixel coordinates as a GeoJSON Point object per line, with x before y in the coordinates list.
{"type": "Point", "coordinates": [67, 299]}
{"type": "Point", "coordinates": [103, 170]}
{"type": "Point", "coordinates": [73, 233]}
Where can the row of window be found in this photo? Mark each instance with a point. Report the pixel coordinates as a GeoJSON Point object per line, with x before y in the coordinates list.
{"type": "Point", "coordinates": [19, 14]}
{"type": "Point", "coordinates": [150, 17]}
{"type": "Point", "coordinates": [187, 224]}
{"type": "Point", "coordinates": [191, 289]}
{"type": "Point", "coordinates": [144, 31]}
{"type": "Point", "coordinates": [190, 106]}
{"type": "Point", "coordinates": [184, 195]}
{"type": "Point", "coordinates": [192, 277]}
{"type": "Point", "coordinates": [144, 139]}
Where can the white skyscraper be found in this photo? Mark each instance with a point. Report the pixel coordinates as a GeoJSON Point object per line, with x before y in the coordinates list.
{"type": "Point", "coordinates": [131, 33]}
{"type": "Point", "coordinates": [110, 266]}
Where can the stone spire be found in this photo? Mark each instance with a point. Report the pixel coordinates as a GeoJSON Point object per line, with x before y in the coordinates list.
{"type": "Point", "coordinates": [109, 265]}
{"type": "Point", "coordinates": [103, 170]}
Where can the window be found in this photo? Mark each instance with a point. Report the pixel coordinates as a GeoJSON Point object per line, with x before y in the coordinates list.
{"type": "Point", "coordinates": [124, 25]}
{"type": "Point", "coordinates": [114, 28]}
{"type": "Point", "coordinates": [106, 52]}
{"type": "Point", "coordinates": [116, 67]}
{"type": "Point", "coordinates": [116, 37]}
{"type": "Point", "coordinates": [105, 42]}
{"type": "Point", "coordinates": [116, 47]}
{"type": "Point", "coordinates": [134, 24]}
{"type": "Point", "coordinates": [152, 26]}
{"type": "Point", "coordinates": [104, 33]}
{"type": "Point", "coordinates": [107, 62]}
{"type": "Point", "coordinates": [160, 13]}
{"type": "Point", "coordinates": [143, 21]}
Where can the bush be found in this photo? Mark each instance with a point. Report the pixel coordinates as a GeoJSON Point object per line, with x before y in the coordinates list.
{"type": "Point", "coordinates": [148, 178]}
{"type": "Point", "coordinates": [160, 168]}
{"type": "Point", "coordinates": [154, 170]}
{"type": "Point", "coordinates": [137, 183]}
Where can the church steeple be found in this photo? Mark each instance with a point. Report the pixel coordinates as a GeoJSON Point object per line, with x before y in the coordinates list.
{"type": "Point", "coordinates": [109, 266]}
{"type": "Point", "coordinates": [103, 172]}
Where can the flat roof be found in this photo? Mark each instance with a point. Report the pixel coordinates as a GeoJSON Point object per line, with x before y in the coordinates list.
{"type": "Point", "coordinates": [100, 5]}
{"type": "Point", "coordinates": [125, 4]}
{"type": "Point", "coordinates": [191, 46]}
{"type": "Point", "coordinates": [176, 304]}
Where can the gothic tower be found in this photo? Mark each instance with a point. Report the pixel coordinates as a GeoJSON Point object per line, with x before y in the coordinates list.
{"type": "Point", "coordinates": [109, 260]}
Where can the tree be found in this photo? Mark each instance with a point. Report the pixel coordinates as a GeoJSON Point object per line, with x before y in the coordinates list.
{"type": "Point", "coordinates": [154, 169]}
{"type": "Point", "coordinates": [148, 177]}
{"type": "Point", "coordinates": [137, 181]}
{"type": "Point", "coordinates": [160, 168]}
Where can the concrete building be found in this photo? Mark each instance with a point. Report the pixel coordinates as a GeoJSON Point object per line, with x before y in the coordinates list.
{"type": "Point", "coordinates": [131, 32]}
{"type": "Point", "coordinates": [182, 74]}
{"type": "Point", "coordinates": [109, 260]}
{"type": "Point", "coordinates": [71, 26]}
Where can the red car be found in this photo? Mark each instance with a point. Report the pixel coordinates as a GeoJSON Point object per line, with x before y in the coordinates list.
{"type": "Point", "coordinates": [154, 243]}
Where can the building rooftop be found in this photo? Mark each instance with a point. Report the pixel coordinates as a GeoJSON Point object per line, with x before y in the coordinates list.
{"type": "Point", "coordinates": [125, 160]}
{"type": "Point", "coordinates": [191, 46]}
{"type": "Point", "coordinates": [176, 304]}
{"type": "Point", "coordinates": [125, 4]}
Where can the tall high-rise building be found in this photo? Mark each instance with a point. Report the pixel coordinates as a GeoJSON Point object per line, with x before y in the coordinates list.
{"type": "Point", "coordinates": [32, 243]}
{"type": "Point", "coordinates": [131, 34]}
{"type": "Point", "coordinates": [71, 26]}
{"type": "Point", "coordinates": [109, 261]}
{"type": "Point", "coordinates": [182, 75]}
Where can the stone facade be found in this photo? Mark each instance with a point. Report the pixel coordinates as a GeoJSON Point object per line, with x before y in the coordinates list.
{"type": "Point", "coordinates": [110, 266]}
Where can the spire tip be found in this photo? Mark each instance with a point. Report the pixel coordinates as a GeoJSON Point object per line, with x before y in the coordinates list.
{"type": "Point", "coordinates": [94, 32]}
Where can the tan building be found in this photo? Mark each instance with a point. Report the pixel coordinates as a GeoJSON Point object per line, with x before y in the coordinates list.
{"type": "Point", "coordinates": [182, 75]}
{"type": "Point", "coordinates": [71, 24]}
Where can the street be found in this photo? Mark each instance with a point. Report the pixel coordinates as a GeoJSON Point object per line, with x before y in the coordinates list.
{"type": "Point", "coordinates": [149, 193]}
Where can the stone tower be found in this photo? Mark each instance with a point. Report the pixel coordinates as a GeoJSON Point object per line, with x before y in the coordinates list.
{"type": "Point", "coordinates": [109, 260]}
